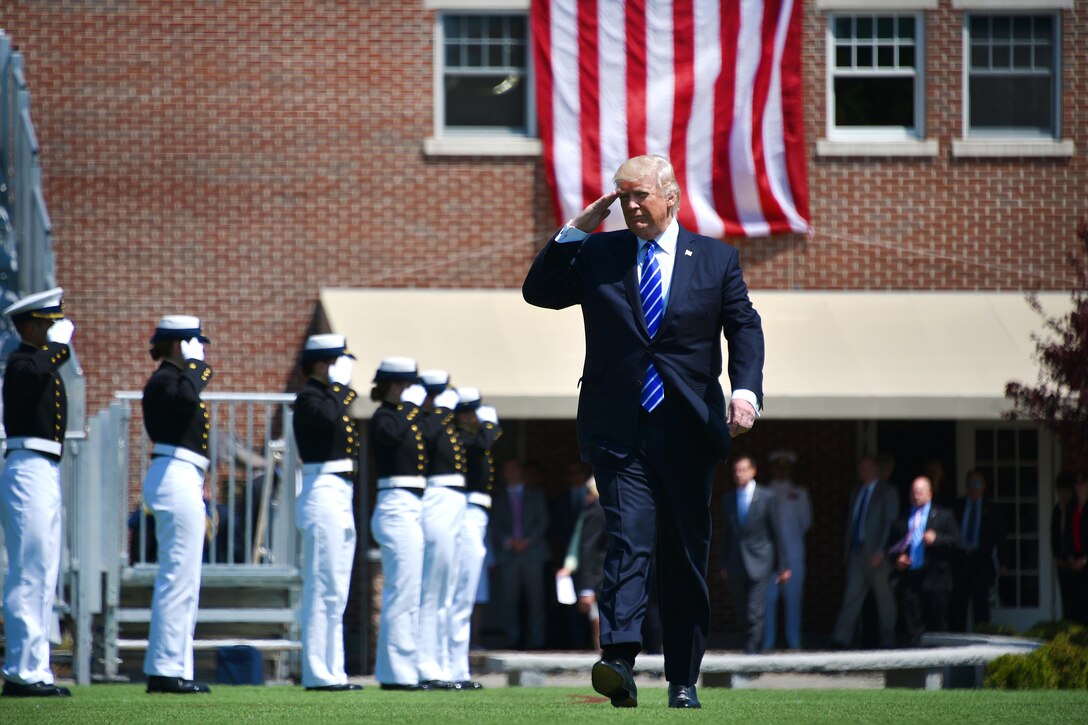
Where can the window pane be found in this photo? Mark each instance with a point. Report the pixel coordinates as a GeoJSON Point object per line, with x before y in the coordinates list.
{"type": "Point", "coordinates": [843, 56]}
{"type": "Point", "coordinates": [517, 26]}
{"type": "Point", "coordinates": [474, 101]}
{"type": "Point", "coordinates": [841, 28]}
{"type": "Point", "coordinates": [1006, 445]}
{"type": "Point", "coordinates": [1029, 445]}
{"type": "Point", "coordinates": [885, 28]}
{"type": "Point", "coordinates": [1044, 26]}
{"type": "Point", "coordinates": [1006, 591]}
{"type": "Point", "coordinates": [906, 27]}
{"type": "Point", "coordinates": [980, 27]}
{"type": "Point", "coordinates": [906, 56]}
{"type": "Point", "coordinates": [494, 56]}
{"type": "Point", "coordinates": [517, 56]}
{"type": "Point", "coordinates": [474, 57]}
{"type": "Point", "coordinates": [1007, 554]}
{"type": "Point", "coordinates": [865, 56]}
{"type": "Point", "coordinates": [1017, 102]}
{"type": "Point", "coordinates": [1002, 57]}
{"type": "Point", "coordinates": [474, 26]}
{"type": "Point", "coordinates": [453, 55]}
{"type": "Point", "coordinates": [494, 27]}
{"type": "Point", "coordinates": [1029, 554]}
{"type": "Point", "coordinates": [1006, 482]}
{"type": "Point", "coordinates": [1043, 57]}
{"type": "Point", "coordinates": [1021, 27]}
{"type": "Point", "coordinates": [1002, 27]}
{"type": "Point", "coordinates": [1021, 57]}
{"type": "Point", "coordinates": [885, 56]}
{"type": "Point", "coordinates": [1029, 521]}
{"type": "Point", "coordinates": [874, 102]}
{"type": "Point", "coordinates": [980, 57]}
{"type": "Point", "coordinates": [864, 28]}
{"type": "Point", "coordinates": [984, 445]}
{"type": "Point", "coordinates": [1029, 591]}
{"type": "Point", "coordinates": [1029, 481]}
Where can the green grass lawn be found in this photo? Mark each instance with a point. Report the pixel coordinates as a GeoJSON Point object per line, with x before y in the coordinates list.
{"type": "Point", "coordinates": [539, 706]}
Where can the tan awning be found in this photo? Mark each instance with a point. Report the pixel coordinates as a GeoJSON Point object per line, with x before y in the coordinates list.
{"type": "Point", "coordinates": [844, 355]}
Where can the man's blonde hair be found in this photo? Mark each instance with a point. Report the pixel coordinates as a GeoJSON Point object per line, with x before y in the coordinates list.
{"type": "Point", "coordinates": [639, 167]}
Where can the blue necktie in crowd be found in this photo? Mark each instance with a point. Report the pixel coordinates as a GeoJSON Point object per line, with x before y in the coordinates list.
{"type": "Point", "coordinates": [653, 309]}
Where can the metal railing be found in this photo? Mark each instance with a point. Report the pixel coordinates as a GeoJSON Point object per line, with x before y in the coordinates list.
{"type": "Point", "coordinates": [26, 231]}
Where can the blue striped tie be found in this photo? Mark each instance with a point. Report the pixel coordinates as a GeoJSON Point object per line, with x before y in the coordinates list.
{"type": "Point", "coordinates": [653, 309]}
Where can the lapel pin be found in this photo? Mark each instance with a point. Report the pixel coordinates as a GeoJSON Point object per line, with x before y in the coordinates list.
{"type": "Point", "coordinates": [687, 252]}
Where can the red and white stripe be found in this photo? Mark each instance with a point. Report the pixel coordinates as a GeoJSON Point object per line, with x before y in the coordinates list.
{"type": "Point", "coordinates": [715, 85]}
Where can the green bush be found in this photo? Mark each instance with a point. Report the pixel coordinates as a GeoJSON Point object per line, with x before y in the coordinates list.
{"type": "Point", "coordinates": [1047, 631]}
{"type": "Point", "coordinates": [1058, 664]}
{"type": "Point", "coordinates": [994, 628]}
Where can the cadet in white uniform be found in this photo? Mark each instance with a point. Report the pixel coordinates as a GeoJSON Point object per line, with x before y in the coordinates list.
{"type": "Point", "coordinates": [795, 512]}
{"type": "Point", "coordinates": [328, 445]}
{"type": "Point", "coordinates": [400, 464]}
{"type": "Point", "coordinates": [178, 424]}
{"type": "Point", "coordinates": [478, 427]}
{"type": "Point", "coordinates": [443, 517]}
{"type": "Point", "coordinates": [35, 420]}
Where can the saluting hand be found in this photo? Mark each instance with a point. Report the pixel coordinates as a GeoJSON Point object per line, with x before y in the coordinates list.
{"type": "Point", "coordinates": [192, 349]}
{"type": "Point", "coordinates": [591, 217]}
{"type": "Point", "coordinates": [61, 331]}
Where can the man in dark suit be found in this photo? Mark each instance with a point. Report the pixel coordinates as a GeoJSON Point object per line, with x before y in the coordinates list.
{"type": "Point", "coordinates": [874, 505]}
{"type": "Point", "coordinates": [927, 542]}
{"type": "Point", "coordinates": [983, 531]}
{"type": "Point", "coordinates": [652, 418]}
{"type": "Point", "coordinates": [519, 522]}
{"type": "Point", "coordinates": [752, 549]}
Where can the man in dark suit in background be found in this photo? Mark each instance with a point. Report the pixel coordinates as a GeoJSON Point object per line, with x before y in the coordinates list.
{"type": "Point", "coordinates": [874, 506]}
{"type": "Point", "coordinates": [752, 549]}
{"type": "Point", "coordinates": [927, 542]}
{"type": "Point", "coordinates": [983, 531]}
{"type": "Point", "coordinates": [519, 522]}
{"type": "Point", "coordinates": [652, 418]}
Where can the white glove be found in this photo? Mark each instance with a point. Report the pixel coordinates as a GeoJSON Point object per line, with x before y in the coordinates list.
{"type": "Point", "coordinates": [340, 370]}
{"type": "Point", "coordinates": [192, 349]}
{"type": "Point", "coordinates": [447, 399]}
{"type": "Point", "coordinates": [414, 394]}
{"type": "Point", "coordinates": [61, 331]}
{"type": "Point", "coordinates": [487, 414]}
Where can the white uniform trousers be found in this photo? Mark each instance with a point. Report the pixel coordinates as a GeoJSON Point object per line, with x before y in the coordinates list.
{"type": "Point", "coordinates": [471, 549]}
{"type": "Point", "coordinates": [326, 522]}
{"type": "Point", "coordinates": [792, 594]}
{"type": "Point", "coordinates": [443, 518]}
{"type": "Point", "coordinates": [173, 491]}
{"type": "Point", "coordinates": [30, 512]}
{"type": "Point", "coordinates": [396, 526]}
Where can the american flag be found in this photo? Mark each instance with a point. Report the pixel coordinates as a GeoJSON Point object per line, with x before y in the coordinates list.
{"type": "Point", "coordinates": [714, 85]}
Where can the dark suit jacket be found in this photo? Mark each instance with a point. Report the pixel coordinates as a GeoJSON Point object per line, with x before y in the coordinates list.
{"type": "Point", "coordinates": [755, 548]}
{"type": "Point", "coordinates": [880, 514]}
{"type": "Point", "coordinates": [941, 555]}
{"type": "Point", "coordinates": [534, 525]}
{"type": "Point", "coordinates": [991, 534]}
{"type": "Point", "coordinates": [707, 298]}
{"type": "Point", "coordinates": [1067, 542]}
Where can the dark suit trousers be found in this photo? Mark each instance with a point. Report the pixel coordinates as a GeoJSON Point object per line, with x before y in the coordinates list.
{"type": "Point", "coordinates": [924, 610]}
{"type": "Point", "coordinates": [660, 493]}
{"type": "Point", "coordinates": [971, 591]}
{"type": "Point", "coordinates": [749, 607]}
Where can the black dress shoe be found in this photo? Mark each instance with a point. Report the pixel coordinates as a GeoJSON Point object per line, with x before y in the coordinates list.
{"type": "Point", "coordinates": [346, 687]}
{"type": "Point", "coordinates": [469, 685]}
{"type": "Point", "coordinates": [34, 689]}
{"type": "Point", "coordinates": [613, 679]}
{"type": "Point", "coordinates": [683, 696]}
{"type": "Point", "coordinates": [176, 686]}
{"type": "Point", "coordinates": [440, 684]}
{"type": "Point", "coordinates": [420, 687]}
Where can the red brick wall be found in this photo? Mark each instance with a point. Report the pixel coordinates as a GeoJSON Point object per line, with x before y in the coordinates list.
{"type": "Point", "coordinates": [230, 159]}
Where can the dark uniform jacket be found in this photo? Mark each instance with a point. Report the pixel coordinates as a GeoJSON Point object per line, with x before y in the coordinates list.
{"type": "Point", "coordinates": [174, 414]}
{"type": "Point", "coordinates": [480, 474]}
{"type": "Point", "coordinates": [396, 439]}
{"type": "Point", "coordinates": [323, 429]}
{"type": "Point", "coordinates": [445, 453]}
{"type": "Point", "coordinates": [35, 401]}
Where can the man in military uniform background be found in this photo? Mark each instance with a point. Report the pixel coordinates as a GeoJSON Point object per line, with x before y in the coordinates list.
{"type": "Point", "coordinates": [35, 420]}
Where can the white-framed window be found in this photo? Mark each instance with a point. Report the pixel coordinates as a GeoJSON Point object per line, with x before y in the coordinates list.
{"type": "Point", "coordinates": [875, 76]}
{"type": "Point", "coordinates": [483, 74]}
{"type": "Point", "coordinates": [1012, 75]}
